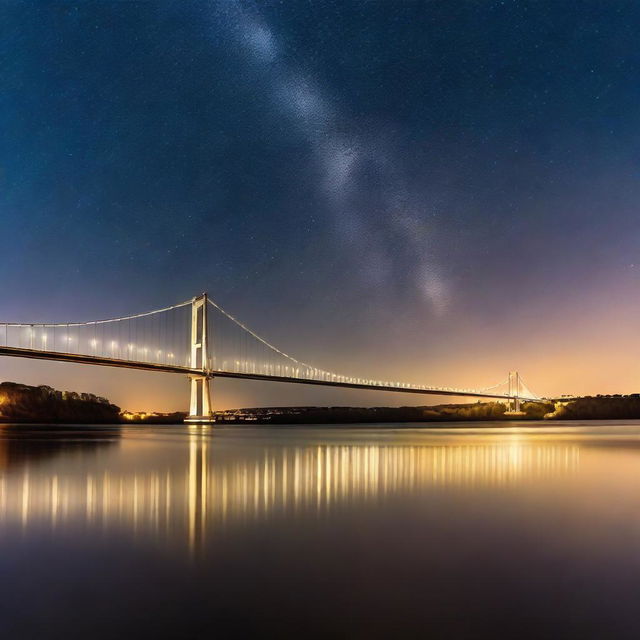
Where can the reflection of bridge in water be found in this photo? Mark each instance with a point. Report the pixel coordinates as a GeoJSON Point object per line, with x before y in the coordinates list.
{"type": "Point", "coordinates": [210, 492]}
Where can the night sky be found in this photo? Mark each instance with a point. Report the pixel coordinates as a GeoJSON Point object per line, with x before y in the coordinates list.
{"type": "Point", "coordinates": [435, 192]}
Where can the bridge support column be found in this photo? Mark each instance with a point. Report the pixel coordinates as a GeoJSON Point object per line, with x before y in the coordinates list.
{"type": "Point", "coordinates": [200, 405]}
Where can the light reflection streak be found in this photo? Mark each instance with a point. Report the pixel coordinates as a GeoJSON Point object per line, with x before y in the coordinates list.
{"type": "Point", "coordinates": [188, 503]}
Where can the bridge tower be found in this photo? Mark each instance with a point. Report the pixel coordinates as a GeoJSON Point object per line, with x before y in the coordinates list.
{"type": "Point", "coordinates": [200, 406]}
{"type": "Point", "coordinates": [514, 394]}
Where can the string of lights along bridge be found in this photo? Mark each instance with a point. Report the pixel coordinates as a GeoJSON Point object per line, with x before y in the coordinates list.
{"type": "Point", "coordinates": [200, 339]}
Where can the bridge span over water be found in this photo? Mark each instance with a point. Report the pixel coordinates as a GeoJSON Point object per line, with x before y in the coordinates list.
{"type": "Point", "coordinates": [198, 338]}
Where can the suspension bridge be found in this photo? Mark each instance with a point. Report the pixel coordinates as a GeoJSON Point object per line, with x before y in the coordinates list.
{"type": "Point", "coordinates": [201, 340]}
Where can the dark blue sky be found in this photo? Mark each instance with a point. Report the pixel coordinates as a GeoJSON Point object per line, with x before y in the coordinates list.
{"type": "Point", "coordinates": [439, 190]}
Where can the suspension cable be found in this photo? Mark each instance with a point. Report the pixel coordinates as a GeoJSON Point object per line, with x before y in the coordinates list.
{"type": "Point", "coordinates": [93, 322]}
{"type": "Point", "coordinates": [308, 366]}
{"type": "Point", "coordinates": [257, 337]}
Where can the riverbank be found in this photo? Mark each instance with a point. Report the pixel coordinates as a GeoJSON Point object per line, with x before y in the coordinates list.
{"type": "Point", "coordinates": [20, 403]}
{"type": "Point", "coordinates": [587, 408]}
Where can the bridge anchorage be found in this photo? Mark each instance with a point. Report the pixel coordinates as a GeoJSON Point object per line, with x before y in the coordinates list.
{"type": "Point", "coordinates": [197, 338]}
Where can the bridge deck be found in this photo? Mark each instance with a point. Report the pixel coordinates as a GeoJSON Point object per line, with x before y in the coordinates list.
{"type": "Point", "coordinates": [169, 368]}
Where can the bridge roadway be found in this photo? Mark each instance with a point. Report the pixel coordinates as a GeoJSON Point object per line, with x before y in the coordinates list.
{"type": "Point", "coordinates": [171, 368]}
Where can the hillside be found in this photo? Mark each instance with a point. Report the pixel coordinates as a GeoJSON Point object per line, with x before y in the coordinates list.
{"type": "Point", "coordinates": [24, 403]}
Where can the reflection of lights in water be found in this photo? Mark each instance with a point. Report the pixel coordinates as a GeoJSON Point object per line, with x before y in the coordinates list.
{"type": "Point", "coordinates": [191, 502]}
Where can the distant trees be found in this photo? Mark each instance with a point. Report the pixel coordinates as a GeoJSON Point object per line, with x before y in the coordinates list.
{"type": "Point", "coordinates": [588, 408]}
{"type": "Point", "coordinates": [537, 410]}
{"type": "Point", "coordinates": [599, 408]}
{"type": "Point", "coordinates": [351, 415]}
{"type": "Point", "coordinates": [24, 403]}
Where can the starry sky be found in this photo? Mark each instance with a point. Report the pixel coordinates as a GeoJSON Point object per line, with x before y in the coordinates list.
{"type": "Point", "coordinates": [427, 191]}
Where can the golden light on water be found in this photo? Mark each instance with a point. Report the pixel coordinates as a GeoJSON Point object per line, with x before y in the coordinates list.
{"type": "Point", "coordinates": [189, 501]}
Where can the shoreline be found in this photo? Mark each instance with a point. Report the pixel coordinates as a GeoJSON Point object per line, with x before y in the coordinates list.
{"type": "Point", "coordinates": [24, 404]}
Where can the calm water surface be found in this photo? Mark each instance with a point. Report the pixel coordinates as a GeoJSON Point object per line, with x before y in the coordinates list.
{"type": "Point", "coordinates": [174, 532]}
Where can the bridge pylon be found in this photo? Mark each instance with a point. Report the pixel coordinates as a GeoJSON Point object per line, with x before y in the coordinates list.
{"type": "Point", "coordinates": [200, 405]}
{"type": "Point", "coordinates": [513, 407]}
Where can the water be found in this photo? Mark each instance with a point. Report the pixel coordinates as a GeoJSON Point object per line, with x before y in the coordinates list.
{"type": "Point", "coordinates": [172, 532]}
